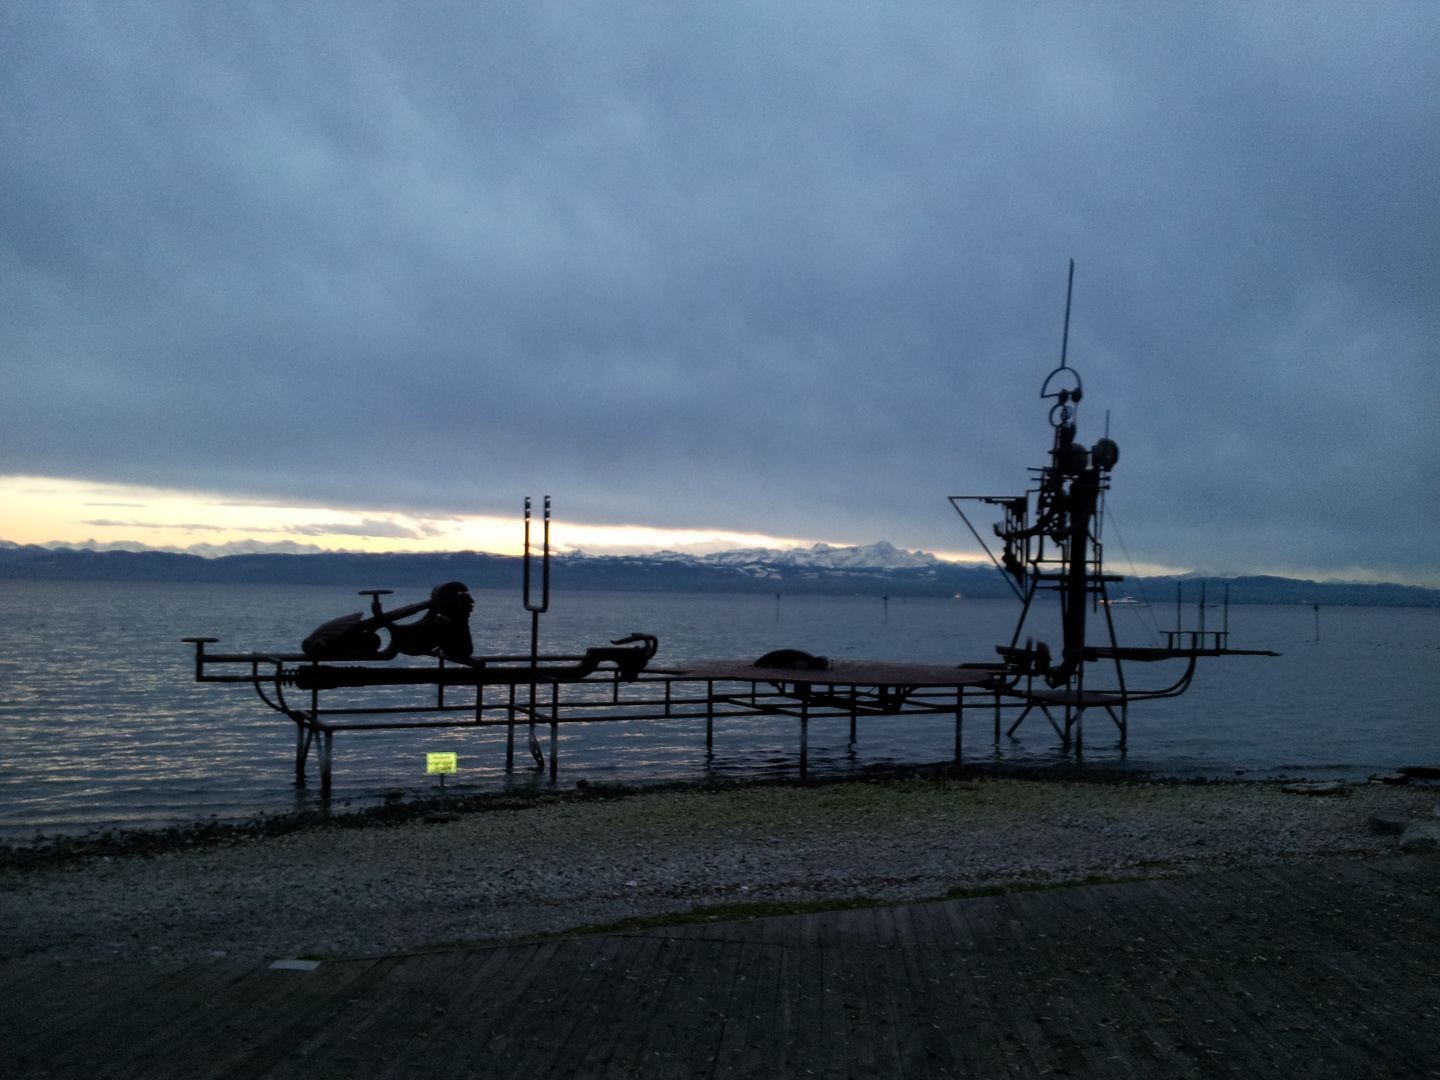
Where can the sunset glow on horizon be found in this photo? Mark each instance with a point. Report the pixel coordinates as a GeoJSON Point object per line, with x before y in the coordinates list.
{"type": "Point", "coordinates": [47, 510]}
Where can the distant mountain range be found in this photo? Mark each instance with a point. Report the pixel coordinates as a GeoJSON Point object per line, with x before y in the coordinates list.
{"type": "Point", "coordinates": [881, 556]}
{"type": "Point", "coordinates": [874, 570]}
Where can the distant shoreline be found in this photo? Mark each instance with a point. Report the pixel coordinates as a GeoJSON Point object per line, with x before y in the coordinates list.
{"type": "Point", "coordinates": [636, 573]}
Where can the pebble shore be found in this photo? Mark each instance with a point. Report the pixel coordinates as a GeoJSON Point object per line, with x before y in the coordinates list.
{"type": "Point", "coordinates": [506, 874]}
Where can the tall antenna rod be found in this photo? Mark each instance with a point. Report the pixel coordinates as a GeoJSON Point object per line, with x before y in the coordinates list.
{"type": "Point", "coordinates": [1069, 288]}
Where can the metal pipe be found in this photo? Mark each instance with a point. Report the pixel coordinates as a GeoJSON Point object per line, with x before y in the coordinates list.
{"type": "Point", "coordinates": [959, 719]}
{"type": "Point", "coordinates": [804, 737]}
{"type": "Point", "coordinates": [1069, 290]}
{"type": "Point", "coordinates": [554, 729]}
{"type": "Point", "coordinates": [302, 750]}
{"type": "Point", "coordinates": [510, 734]}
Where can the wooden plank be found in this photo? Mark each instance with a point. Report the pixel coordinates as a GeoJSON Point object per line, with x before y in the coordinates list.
{"type": "Point", "coordinates": [1064, 1054]}
{"type": "Point", "coordinates": [918, 1000]}
{"type": "Point", "coordinates": [963, 1022]}
{"type": "Point", "coordinates": [1127, 1025]}
{"type": "Point", "coordinates": [592, 1017]}
{"type": "Point", "coordinates": [807, 930]}
{"type": "Point", "coordinates": [1247, 935]}
{"type": "Point", "coordinates": [474, 1016]}
{"type": "Point", "coordinates": [982, 1045]}
{"type": "Point", "coordinates": [509, 1006]}
{"type": "Point", "coordinates": [732, 1001]}
{"type": "Point", "coordinates": [894, 1054]}
{"type": "Point", "coordinates": [80, 1031]}
{"type": "Point", "coordinates": [388, 1028]}
{"type": "Point", "coordinates": [604, 1033]}
{"type": "Point", "coordinates": [805, 993]}
{"type": "Point", "coordinates": [903, 1003]}
{"type": "Point", "coordinates": [1364, 964]}
{"type": "Point", "coordinates": [1204, 1013]}
{"type": "Point", "coordinates": [992, 964]}
{"type": "Point", "coordinates": [832, 1051]}
{"type": "Point", "coordinates": [399, 1004]}
{"type": "Point", "coordinates": [1204, 956]}
{"type": "Point", "coordinates": [867, 1025]}
{"type": "Point", "coordinates": [164, 1031]}
{"type": "Point", "coordinates": [349, 1033]}
{"type": "Point", "coordinates": [674, 1027]}
{"type": "Point", "coordinates": [481, 1004]}
{"type": "Point", "coordinates": [759, 1046]}
{"type": "Point", "coordinates": [884, 924]}
{"type": "Point", "coordinates": [631, 1050]}
{"type": "Point", "coordinates": [41, 1004]}
{"type": "Point", "coordinates": [291, 1007]}
{"type": "Point", "coordinates": [720, 1024]}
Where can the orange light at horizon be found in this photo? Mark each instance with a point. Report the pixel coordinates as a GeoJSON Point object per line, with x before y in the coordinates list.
{"type": "Point", "coordinates": [41, 510]}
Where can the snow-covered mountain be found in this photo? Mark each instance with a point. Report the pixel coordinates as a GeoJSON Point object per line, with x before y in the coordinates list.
{"type": "Point", "coordinates": [878, 556]}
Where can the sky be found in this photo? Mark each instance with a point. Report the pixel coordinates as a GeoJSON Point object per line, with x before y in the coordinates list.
{"type": "Point", "coordinates": [708, 274]}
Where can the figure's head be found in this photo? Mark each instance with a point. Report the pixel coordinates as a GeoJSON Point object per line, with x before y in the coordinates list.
{"type": "Point", "coordinates": [452, 599]}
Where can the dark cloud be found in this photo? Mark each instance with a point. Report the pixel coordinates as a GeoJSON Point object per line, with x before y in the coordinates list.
{"type": "Point", "coordinates": [761, 267]}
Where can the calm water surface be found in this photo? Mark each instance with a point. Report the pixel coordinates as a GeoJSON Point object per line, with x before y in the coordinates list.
{"type": "Point", "coordinates": [101, 724]}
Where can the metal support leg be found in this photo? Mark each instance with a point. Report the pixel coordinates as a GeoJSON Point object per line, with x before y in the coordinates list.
{"type": "Point", "coordinates": [1079, 731]}
{"type": "Point", "coordinates": [510, 733]}
{"type": "Point", "coordinates": [302, 751]}
{"type": "Point", "coordinates": [804, 738]}
{"type": "Point", "coordinates": [531, 713]}
{"type": "Point", "coordinates": [1021, 719]}
{"type": "Point", "coordinates": [1063, 735]}
{"type": "Point", "coordinates": [852, 716]}
{"type": "Point", "coordinates": [997, 717]}
{"type": "Point", "coordinates": [326, 740]}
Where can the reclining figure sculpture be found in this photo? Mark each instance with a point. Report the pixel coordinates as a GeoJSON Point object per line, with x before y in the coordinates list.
{"type": "Point", "coordinates": [444, 631]}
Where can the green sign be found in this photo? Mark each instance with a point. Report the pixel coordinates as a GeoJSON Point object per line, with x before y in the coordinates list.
{"type": "Point", "coordinates": [440, 763]}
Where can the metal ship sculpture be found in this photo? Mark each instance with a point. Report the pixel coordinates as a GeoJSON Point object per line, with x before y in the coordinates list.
{"type": "Point", "coordinates": [1053, 542]}
{"type": "Point", "coordinates": [1052, 537]}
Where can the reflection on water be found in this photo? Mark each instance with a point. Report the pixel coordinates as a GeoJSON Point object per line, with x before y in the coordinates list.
{"type": "Point", "coordinates": [103, 726]}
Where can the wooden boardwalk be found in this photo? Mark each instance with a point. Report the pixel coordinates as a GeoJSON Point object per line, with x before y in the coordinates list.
{"type": "Point", "coordinates": [1323, 969]}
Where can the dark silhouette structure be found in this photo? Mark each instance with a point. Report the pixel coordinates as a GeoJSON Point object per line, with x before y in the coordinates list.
{"type": "Point", "coordinates": [1052, 537]}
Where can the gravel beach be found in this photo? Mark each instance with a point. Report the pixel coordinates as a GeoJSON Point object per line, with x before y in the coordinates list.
{"type": "Point", "coordinates": [330, 891]}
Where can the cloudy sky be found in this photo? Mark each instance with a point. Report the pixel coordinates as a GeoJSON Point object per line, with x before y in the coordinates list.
{"type": "Point", "coordinates": [755, 269]}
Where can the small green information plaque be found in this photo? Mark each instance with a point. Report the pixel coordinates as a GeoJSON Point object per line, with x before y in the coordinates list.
{"type": "Point", "coordinates": [440, 763]}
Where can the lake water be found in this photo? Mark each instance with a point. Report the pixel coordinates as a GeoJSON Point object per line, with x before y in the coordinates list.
{"type": "Point", "coordinates": [101, 724]}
